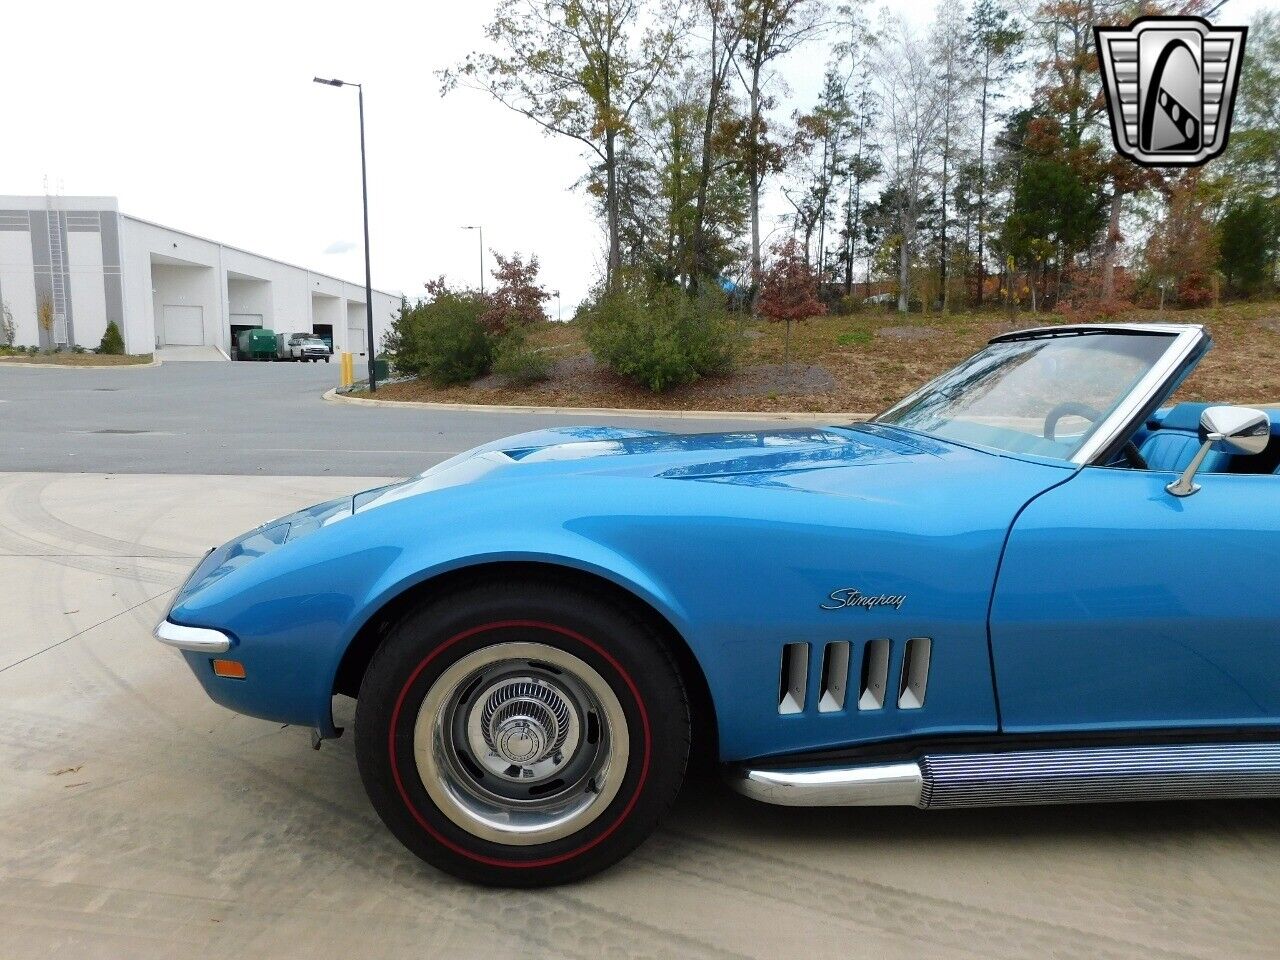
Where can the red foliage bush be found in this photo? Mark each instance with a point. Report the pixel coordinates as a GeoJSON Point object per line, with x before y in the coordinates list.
{"type": "Point", "coordinates": [789, 287]}
{"type": "Point", "coordinates": [517, 301]}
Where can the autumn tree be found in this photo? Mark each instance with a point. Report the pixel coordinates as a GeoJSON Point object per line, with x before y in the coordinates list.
{"type": "Point", "coordinates": [1183, 248]}
{"type": "Point", "coordinates": [44, 320]}
{"type": "Point", "coordinates": [789, 291]}
{"type": "Point", "coordinates": [516, 301]}
{"type": "Point", "coordinates": [579, 69]}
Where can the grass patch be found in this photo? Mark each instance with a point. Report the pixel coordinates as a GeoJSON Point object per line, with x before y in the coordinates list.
{"type": "Point", "coordinates": [855, 338]}
{"type": "Point", "coordinates": [77, 359]}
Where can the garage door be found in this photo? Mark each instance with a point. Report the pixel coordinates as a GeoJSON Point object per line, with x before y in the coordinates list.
{"type": "Point", "coordinates": [183, 325]}
{"type": "Point", "coordinates": [355, 338]}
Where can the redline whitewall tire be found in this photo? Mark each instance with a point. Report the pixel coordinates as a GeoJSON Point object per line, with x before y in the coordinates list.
{"type": "Point", "coordinates": [522, 735]}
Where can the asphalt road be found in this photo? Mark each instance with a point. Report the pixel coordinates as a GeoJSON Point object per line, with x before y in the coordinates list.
{"type": "Point", "coordinates": [238, 418]}
{"type": "Point", "coordinates": [140, 820]}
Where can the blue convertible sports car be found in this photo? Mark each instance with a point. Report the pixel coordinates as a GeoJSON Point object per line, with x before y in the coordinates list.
{"type": "Point", "coordinates": [1031, 581]}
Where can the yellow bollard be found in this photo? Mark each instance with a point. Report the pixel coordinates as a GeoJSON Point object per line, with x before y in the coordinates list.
{"type": "Point", "coordinates": [348, 370]}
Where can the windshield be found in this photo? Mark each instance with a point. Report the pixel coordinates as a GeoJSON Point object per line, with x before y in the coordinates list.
{"type": "Point", "coordinates": [1042, 396]}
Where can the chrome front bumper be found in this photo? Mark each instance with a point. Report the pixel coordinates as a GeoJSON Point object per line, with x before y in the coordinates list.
{"type": "Point", "coordinates": [198, 639]}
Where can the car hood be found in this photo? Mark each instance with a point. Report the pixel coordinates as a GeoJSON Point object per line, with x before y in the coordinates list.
{"type": "Point", "coordinates": [754, 456]}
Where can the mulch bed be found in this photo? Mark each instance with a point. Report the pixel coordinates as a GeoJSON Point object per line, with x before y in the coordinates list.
{"type": "Point", "coordinates": [864, 363]}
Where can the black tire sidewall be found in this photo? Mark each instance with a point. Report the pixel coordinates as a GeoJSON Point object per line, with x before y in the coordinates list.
{"type": "Point", "coordinates": [629, 658]}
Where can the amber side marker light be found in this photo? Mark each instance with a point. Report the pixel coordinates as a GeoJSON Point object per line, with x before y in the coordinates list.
{"type": "Point", "coordinates": [231, 669]}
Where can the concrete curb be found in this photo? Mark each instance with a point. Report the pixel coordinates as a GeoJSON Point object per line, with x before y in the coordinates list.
{"type": "Point", "coordinates": [797, 416]}
{"type": "Point", "coordinates": [10, 361]}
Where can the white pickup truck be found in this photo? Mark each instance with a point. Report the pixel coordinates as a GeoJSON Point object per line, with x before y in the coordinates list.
{"type": "Point", "coordinates": [301, 346]}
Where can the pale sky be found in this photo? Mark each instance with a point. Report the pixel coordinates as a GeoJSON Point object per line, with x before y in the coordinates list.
{"type": "Point", "coordinates": [203, 117]}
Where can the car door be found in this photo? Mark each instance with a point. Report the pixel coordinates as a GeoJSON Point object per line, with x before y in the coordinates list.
{"type": "Point", "coordinates": [1121, 606]}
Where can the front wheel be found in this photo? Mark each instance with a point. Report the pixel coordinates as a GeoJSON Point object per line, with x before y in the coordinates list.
{"type": "Point", "coordinates": [522, 736]}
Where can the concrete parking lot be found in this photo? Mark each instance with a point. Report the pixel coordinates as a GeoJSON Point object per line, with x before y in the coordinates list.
{"type": "Point", "coordinates": [138, 820]}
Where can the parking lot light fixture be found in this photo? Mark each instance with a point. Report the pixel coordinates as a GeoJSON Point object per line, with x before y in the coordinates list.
{"type": "Point", "coordinates": [370, 346]}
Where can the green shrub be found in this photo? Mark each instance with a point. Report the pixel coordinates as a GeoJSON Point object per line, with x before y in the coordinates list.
{"type": "Point", "coordinates": [441, 339]}
{"type": "Point", "coordinates": [517, 362]}
{"type": "Point", "coordinates": [112, 341]}
{"type": "Point", "coordinates": [659, 337]}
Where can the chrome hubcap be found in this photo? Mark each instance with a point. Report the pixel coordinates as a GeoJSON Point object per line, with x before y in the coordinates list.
{"type": "Point", "coordinates": [521, 743]}
{"type": "Point", "coordinates": [523, 728]}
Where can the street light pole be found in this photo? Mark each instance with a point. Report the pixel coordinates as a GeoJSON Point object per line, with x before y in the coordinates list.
{"type": "Point", "coordinates": [364, 196]}
{"type": "Point", "coordinates": [481, 229]}
{"type": "Point", "coordinates": [559, 312]}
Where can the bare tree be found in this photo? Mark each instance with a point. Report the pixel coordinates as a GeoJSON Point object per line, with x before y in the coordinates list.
{"type": "Point", "coordinates": [995, 41]}
{"type": "Point", "coordinates": [956, 80]}
{"type": "Point", "coordinates": [773, 28]}
{"type": "Point", "coordinates": [913, 117]}
{"type": "Point", "coordinates": [579, 69]}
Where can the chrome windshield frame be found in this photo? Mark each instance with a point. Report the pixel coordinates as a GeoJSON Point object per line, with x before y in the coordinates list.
{"type": "Point", "coordinates": [1144, 395]}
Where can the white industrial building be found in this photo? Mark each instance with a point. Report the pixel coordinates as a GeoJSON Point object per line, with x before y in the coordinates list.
{"type": "Point", "coordinates": [85, 264]}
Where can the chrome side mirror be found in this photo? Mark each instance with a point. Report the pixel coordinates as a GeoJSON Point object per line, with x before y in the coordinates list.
{"type": "Point", "coordinates": [1240, 431]}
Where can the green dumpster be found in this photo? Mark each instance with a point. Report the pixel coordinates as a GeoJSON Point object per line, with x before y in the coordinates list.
{"type": "Point", "coordinates": [256, 343]}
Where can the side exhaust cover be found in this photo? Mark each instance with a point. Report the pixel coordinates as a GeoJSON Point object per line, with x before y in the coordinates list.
{"type": "Point", "coordinates": [1079, 775]}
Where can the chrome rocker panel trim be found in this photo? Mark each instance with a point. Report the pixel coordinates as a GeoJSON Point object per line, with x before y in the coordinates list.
{"type": "Point", "coordinates": [197, 639]}
{"type": "Point", "coordinates": [1074, 775]}
{"type": "Point", "coordinates": [881, 785]}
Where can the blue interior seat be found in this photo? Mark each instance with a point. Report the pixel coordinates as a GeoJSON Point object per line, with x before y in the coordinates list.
{"type": "Point", "coordinates": [1175, 439]}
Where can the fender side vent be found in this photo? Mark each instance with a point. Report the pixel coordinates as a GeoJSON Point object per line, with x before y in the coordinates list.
{"type": "Point", "coordinates": [793, 679]}
{"type": "Point", "coordinates": [915, 673]}
{"type": "Point", "coordinates": [835, 677]}
{"type": "Point", "coordinates": [875, 674]}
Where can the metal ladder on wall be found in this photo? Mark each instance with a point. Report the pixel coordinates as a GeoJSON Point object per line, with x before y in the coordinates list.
{"type": "Point", "coordinates": [58, 271]}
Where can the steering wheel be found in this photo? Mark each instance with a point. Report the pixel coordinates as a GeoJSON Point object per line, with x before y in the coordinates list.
{"type": "Point", "coordinates": [1073, 409]}
{"type": "Point", "coordinates": [1069, 409]}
